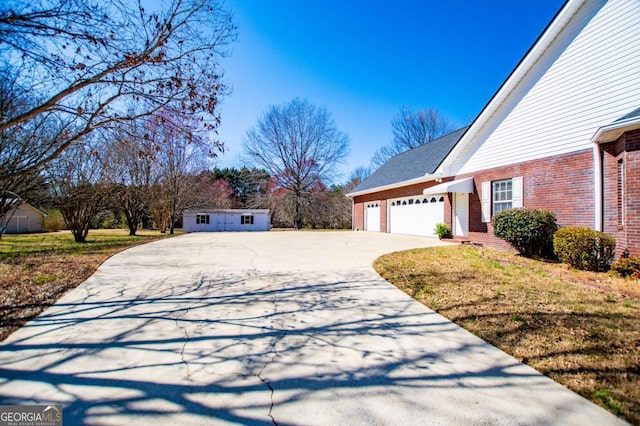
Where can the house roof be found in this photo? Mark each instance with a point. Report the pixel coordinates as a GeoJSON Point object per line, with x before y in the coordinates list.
{"type": "Point", "coordinates": [613, 131]}
{"type": "Point", "coordinates": [635, 114]}
{"type": "Point", "coordinates": [410, 165]}
{"type": "Point", "coordinates": [24, 204]}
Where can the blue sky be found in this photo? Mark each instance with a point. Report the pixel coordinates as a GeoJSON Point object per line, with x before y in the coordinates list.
{"type": "Point", "coordinates": [362, 60]}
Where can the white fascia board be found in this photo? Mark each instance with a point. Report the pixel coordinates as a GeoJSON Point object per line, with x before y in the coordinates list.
{"type": "Point", "coordinates": [613, 131]}
{"type": "Point", "coordinates": [511, 84]}
{"type": "Point", "coordinates": [421, 179]}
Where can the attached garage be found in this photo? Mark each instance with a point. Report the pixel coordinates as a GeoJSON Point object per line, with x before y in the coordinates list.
{"type": "Point", "coordinates": [416, 215]}
{"type": "Point", "coordinates": [372, 217]}
{"type": "Point", "coordinates": [405, 196]}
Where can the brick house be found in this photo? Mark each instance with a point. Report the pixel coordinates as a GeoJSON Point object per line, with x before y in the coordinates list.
{"type": "Point", "coordinates": [561, 133]}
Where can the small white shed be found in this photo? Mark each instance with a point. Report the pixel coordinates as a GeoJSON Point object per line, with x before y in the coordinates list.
{"type": "Point", "coordinates": [216, 220]}
{"type": "Point", "coordinates": [23, 219]}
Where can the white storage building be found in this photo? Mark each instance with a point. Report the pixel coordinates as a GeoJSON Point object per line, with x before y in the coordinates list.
{"type": "Point", "coordinates": [218, 220]}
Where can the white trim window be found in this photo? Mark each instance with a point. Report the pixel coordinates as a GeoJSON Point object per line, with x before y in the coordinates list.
{"type": "Point", "coordinates": [500, 195]}
{"type": "Point", "coordinates": [246, 219]}
{"type": "Point", "coordinates": [202, 219]}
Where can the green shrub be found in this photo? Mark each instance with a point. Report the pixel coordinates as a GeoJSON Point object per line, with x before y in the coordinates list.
{"type": "Point", "coordinates": [111, 220]}
{"type": "Point", "coordinates": [53, 221]}
{"type": "Point", "coordinates": [442, 230]}
{"type": "Point", "coordinates": [530, 231]}
{"type": "Point", "coordinates": [584, 248]}
{"type": "Point", "coordinates": [627, 267]}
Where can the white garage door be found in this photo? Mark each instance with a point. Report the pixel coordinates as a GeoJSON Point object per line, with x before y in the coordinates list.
{"type": "Point", "coordinates": [416, 215]}
{"type": "Point", "coordinates": [372, 217]}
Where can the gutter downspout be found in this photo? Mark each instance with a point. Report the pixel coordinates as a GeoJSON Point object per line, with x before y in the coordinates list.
{"type": "Point", "coordinates": [597, 171]}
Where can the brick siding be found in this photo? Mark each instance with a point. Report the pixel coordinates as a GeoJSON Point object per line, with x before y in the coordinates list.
{"type": "Point", "coordinates": [626, 149]}
{"type": "Point", "coordinates": [563, 184]}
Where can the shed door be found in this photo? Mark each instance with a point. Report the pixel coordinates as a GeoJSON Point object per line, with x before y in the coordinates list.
{"type": "Point", "coordinates": [372, 217]}
{"type": "Point", "coordinates": [18, 225]}
{"type": "Point", "coordinates": [416, 215]}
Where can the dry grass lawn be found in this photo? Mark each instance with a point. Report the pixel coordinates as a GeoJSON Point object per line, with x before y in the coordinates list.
{"type": "Point", "coordinates": [581, 329]}
{"type": "Point", "coordinates": [36, 269]}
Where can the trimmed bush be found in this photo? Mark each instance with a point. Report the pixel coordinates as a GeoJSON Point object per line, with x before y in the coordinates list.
{"type": "Point", "coordinates": [584, 248]}
{"type": "Point", "coordinates": [530, 231]}
{"type": "Point", "coordinates": [627, 267]}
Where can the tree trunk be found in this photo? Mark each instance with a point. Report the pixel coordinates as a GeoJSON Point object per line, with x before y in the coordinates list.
{"type": "Point", "coordinates": [79, 236]}
{"type": "Point", "coordinates": [297, 223]}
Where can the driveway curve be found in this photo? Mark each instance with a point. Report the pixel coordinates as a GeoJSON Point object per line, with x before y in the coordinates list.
{"type": "Point", "coordinates": [268, 328]}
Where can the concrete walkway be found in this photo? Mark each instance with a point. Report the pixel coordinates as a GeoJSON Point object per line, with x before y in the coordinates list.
{"type": "Point", "coordinates": [268, 328]}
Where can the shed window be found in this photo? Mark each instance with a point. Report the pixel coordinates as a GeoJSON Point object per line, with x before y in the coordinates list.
{"type": "Point", "coordinates": [246, 219]}
{"type": "Point", "coordinates": [202, 219]}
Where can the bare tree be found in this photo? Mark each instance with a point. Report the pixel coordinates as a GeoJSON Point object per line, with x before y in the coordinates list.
{"type": "Point", "coordinates": [159, 206]}
{"type": "Point", "coordinates": [14, 188]}
{"type": "Point", "coordinates": [76, 64]}
{"type": "Point", "coordinates": [180, 151]}
{"type": "Point", "coordinates": [130, 168]}
{"type": "Point", "coordinates": [410, 130]}
{"type": "Point", "coordinates": [328, 208]}
{"type": "Point", "coordinates": [76, 179]}
{"type": "Point", "coordinates": [299, 145]}
{"type": "Point", "coordinates": [209, 192]}
{"type": "Point", "coordinates": [357, 176]}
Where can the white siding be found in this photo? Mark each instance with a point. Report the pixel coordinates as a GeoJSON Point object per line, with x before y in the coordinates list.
{"type": "Point", "coordinates": [22, 220]}
{"type": "Point", "coordinates": [589, 77]}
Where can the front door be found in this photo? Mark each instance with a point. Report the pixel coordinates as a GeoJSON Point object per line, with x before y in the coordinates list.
{"type": "Point", "coordinates": [460, 214]}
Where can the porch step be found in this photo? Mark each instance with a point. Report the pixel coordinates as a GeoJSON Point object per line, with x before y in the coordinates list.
{"type": "Point", "coordinates": [465, 240]}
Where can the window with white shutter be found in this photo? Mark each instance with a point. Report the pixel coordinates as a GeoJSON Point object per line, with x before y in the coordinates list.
{"type": "Point", "coordinates": [500, 195]}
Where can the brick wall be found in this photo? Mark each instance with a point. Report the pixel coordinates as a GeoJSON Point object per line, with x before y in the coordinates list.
{"type": "Point", "coordinates": [358, 216]}
{"type": "Point", "coordinates": [626, 149]}
{"type": "Point", "coordinates": [563, 184]}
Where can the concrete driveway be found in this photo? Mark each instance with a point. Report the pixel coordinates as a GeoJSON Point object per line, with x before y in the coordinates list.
{"type": "Point", "coordinates": [268, 328]}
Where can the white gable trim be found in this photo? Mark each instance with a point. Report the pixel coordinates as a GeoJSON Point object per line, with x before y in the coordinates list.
{"type": "Point", "coordinates": [510, 87]}
{"type": "Point", "coordinates": [460, 185]}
